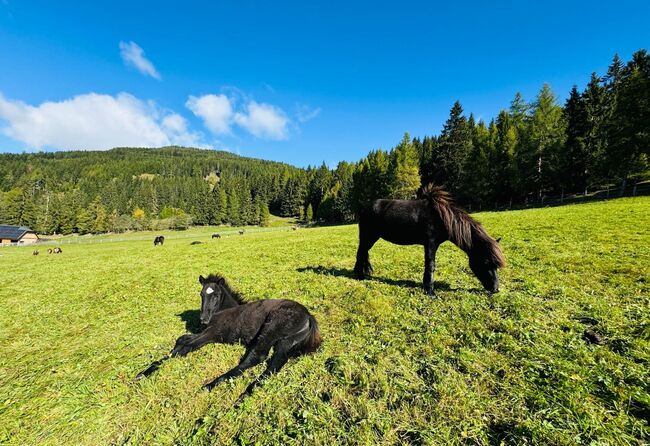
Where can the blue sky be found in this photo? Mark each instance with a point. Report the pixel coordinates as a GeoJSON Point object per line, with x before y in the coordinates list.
{"type": "Point", "coordinates": [300, 82]}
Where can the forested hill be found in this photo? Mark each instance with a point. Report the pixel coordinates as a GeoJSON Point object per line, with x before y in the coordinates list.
{"type": "Point", "coordinates": [132, 188]}
{"type": "Point", "coordinates": [600, 137]}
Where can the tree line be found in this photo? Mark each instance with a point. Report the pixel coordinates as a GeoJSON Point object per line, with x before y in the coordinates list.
{"type": "Point", "coordinates": [599, 136]}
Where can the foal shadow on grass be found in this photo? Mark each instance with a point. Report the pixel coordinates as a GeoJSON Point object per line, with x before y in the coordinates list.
{"type": "Point", "coordinates": [342, 272]}
{"type": "Point", "coordinates": [192, 319]}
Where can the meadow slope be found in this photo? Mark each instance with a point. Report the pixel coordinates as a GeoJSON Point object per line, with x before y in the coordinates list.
{"type": "Point", "coordinates": [395, 366]}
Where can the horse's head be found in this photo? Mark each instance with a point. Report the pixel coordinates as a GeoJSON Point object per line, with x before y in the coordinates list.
{"type": "Point", "coordinates": [212, 295]}
{"type": "Point", "coordinates": [485, 264]}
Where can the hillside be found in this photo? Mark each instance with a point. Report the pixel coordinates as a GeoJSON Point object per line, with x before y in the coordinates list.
{"type": "Point", "coordinates": [395, 365]}
{"type": "Point", "coordinates": [128, 188]}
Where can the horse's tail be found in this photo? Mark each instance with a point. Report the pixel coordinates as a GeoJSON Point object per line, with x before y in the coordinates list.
{"type": "Point", "coordinates": [312, 340]}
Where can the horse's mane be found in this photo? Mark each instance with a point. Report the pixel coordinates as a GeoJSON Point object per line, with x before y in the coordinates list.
{"type": "Point", "coordinates": [462, 230]}
{"type": "Point", "coordinates": [235, 295]}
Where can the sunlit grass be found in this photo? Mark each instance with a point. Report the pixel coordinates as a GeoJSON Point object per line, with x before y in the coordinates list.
{"type": "Point", "coordinates": [395, 366]}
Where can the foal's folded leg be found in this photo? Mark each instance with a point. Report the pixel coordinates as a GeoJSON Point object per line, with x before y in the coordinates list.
{"type": "Point", "coordinates": [275, 363]}
{"type": "Point", "coordinates": [251, 358]}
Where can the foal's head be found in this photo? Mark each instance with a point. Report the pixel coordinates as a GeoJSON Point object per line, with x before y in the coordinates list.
{"type": "Point", "coordinates": [212, 295]}
{"type": "Point", "coordinates": [216, 295]}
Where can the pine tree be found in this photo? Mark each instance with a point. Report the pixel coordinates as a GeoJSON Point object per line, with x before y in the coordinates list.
{"type": "Point", "coordinates": [404, 171]}
{"type": "Point", "coordinates": [309, 214]}
{"type": "Point", "coordinates": [628, 151]}
{"type": "Point", "coordinates": [454, 146]}
{"type": "Point", "coordinates": [595, 134]}
{"type": "Point", "coordinates": [265, 215]}
{"type": "Point", "coordinates": [547, 139]}
{"type": "Point", "coordinates": [574, 164]}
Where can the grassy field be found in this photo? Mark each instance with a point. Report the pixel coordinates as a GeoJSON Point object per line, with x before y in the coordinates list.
{"type": "Point", "coordinates": [396, 367]}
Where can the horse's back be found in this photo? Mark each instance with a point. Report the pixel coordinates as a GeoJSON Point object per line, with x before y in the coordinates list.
{"type": "Point", "coordinates": [404, 222]}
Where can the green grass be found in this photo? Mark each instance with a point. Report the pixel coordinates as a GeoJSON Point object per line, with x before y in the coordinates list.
{"type": "Point", "coordinates": [395, 366]}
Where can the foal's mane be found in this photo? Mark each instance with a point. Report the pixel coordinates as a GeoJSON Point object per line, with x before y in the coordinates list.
{"type": "Point", "coordinates": [462, 230]}
{"type": "Point", "coordinates": [235, 295]}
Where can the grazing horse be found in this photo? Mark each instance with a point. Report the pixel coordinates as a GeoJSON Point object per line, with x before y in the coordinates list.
{"type": "Point", "coordinates": [241, 232]}
{"type": "Point", "coordinates": [196, 242]}
{"type": "Point", "coordinates": [35, 252]}
{"type": "Point", "coordinates": [284, 325]}
{"type": "Point", "coordinates": [216, 235]}
{"type": "Point", "coordinates": [49, 250]}
{"type": "Point", "coordinates": [159, 240]}
{"type": "Point", "coordinates": [57, 250]}
{"type": "Point", "coordinates": [430, 220]}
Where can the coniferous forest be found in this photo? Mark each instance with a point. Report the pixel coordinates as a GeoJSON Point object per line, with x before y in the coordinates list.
{"type": "Point", "coordinates": [533, 149]}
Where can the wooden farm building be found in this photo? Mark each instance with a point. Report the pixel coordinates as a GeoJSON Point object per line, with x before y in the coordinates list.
{"type": "Point", "coordinates": [20, 235]}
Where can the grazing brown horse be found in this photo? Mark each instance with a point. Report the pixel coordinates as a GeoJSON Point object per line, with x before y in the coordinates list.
{"type": "Point", "coordinates": [279, 324]}
{"type": "Point", "coordinates": [216, 235]}
{"type": "Point", "coordinates": [35, 252]}
{"type": "Point", "coordinates": [241, 232]}
{"type": "Point", "coordinates": [429, 221]}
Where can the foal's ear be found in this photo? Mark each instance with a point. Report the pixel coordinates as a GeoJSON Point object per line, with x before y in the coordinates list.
{"type": "Point", "coordinates": [499, 240]}
{"type": "Point", "coordinates": [221, 281]}
{"type": "Point", "coordinates": [201, 279]}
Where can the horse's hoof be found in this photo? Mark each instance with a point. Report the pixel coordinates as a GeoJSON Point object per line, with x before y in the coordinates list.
{"type": "Point", "coordinates": [208, 387]}
{"type": "Point", "coordinates": [139, 376]}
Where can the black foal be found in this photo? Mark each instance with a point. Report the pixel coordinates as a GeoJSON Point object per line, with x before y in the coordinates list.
{"type": "Point", "coordinates": [284, 325]}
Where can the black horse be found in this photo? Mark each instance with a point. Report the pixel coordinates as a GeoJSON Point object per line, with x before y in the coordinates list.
{"type": "Point", "coordinates": [216, 235]}
{"type": "Point", "coordinates": [241, 232]}
{"type": "Point", "coordinates": [284, 325]}
{"type": "Point", "coordinates": [430, 220]}
{"type": "Point", "coordinates": [159, 240]}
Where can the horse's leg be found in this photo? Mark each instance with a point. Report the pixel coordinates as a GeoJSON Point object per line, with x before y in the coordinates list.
{"type": "Point", "coordinates": [251, 358]}
{"type": "Point", "coordinates": [184, 345]}
{"type": "Point", "coordinates": [363, 268]}
{"type": "Point", "coordinates": [430, 248]}
{"type": "Point", "coordinates": [190, 342]}
{"type": "Point", "coordinates": [276, 362]}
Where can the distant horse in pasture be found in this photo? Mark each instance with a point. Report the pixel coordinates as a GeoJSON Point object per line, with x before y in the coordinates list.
{"type": "Point", "coordinates": [284, 325]}
{"type": "Point", "coordinates": [216, 235]}
{"type": "Point", "coordinates": [294, 228]}
{"type": "Point", "coordinates": [429, 221]}
{"type": "Point", "coordinates": [57, 250]}
{"type": "Point", "coordinates": [241, 232]}
{"type": "Point", "coordinates": [196, 242]}
{"type": "Point", "coordinates": [159, 240]}
{"type": "Point", "coordinates": [35, 252]}
{"type": "Point", "coordinates": [49, 250]}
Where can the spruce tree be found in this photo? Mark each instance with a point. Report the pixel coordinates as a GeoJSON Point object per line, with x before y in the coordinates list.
{"type": "Point", "coordinates": [454, 146]}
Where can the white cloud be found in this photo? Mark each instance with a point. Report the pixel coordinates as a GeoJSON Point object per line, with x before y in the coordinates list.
{"type": "Point", "coordinates": [305, 113]}
{"type": "Point", "coordinates": [219, 114]}
{"type": "Point", "coordinates": [133, 55]}
{"type": "Point", "coordinates": [215, 111]}
{"type": "Point", "coordinates": [264, 121]}
{"type": "Point", "coordinates": [94, 122]}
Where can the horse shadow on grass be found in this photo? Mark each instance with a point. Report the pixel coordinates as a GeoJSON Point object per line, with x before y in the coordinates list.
{"type": "Point", "coordinates": [342, 272]}
{"type": "Point", "coordinates": [192, 319]}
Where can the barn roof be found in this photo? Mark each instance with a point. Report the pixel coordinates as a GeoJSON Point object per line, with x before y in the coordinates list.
{"type": "Point", "coordinates": [13, 232]}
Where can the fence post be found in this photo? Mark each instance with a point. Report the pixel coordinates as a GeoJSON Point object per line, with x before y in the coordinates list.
{"type": "Point", "coordinates": [634, 190]}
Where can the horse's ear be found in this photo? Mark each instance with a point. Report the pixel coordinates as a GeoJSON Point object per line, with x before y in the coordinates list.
{"type": "Point", "coordinates": [499, 240]}
{"type": "Point", "coordinates": [201, 279]}
{"type": "Point", "coordinates": [221, 281]}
